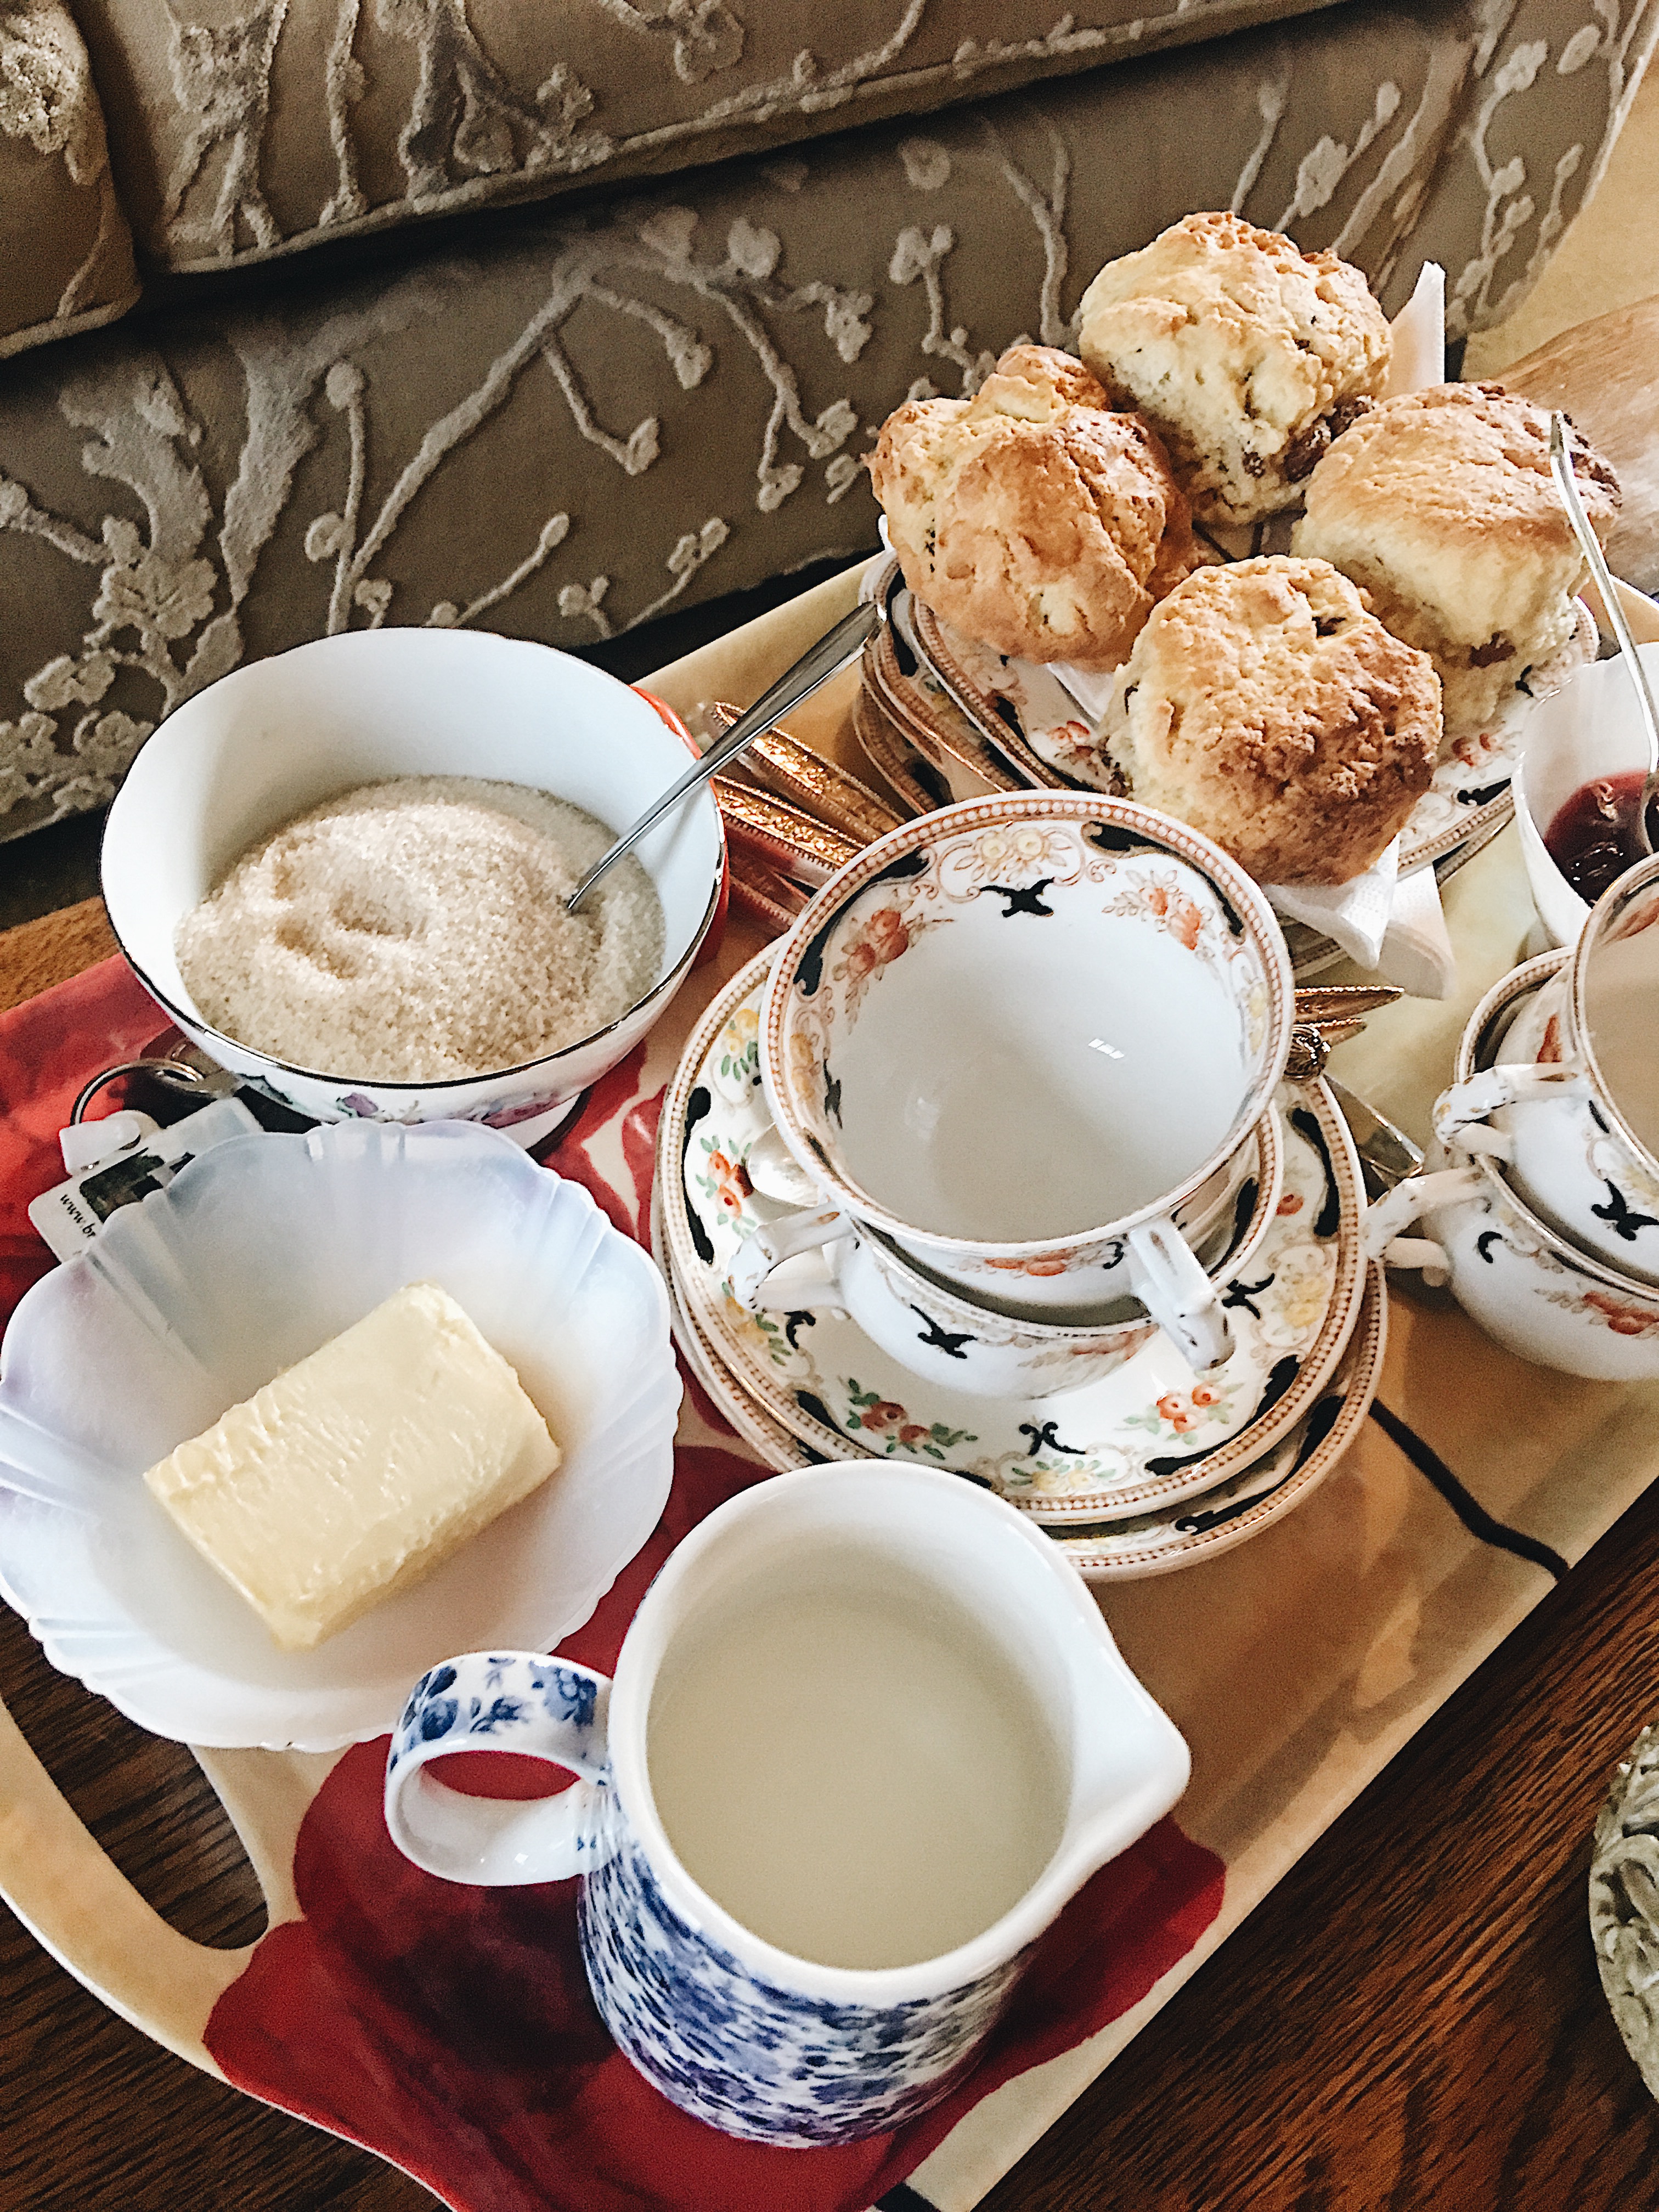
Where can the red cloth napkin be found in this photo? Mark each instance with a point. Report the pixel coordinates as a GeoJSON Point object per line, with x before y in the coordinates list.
{"type": "Point", "coordinates": [450, 2029]}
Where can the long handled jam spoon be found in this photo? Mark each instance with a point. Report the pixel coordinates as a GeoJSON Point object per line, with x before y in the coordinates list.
{"type": "Point", "coordinates": [1590, 545]}
{"type": "Point", "coordinates": [832, 652]}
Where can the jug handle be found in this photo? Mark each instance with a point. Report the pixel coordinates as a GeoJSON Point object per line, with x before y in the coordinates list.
{"type": "Point", "coordinates": [517, 1701]}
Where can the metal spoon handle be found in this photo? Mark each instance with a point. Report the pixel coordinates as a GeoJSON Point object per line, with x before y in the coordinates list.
{"type": "Point", "coordinates": [1591, 546]}
{"type": "Point", "coordinates": [1386, 1154]}
{"type": "Point", "coordinates": [832, 652]}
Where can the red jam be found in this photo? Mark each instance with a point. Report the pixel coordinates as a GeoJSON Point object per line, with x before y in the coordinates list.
{"type": "Point", "coordinates": [1592, 839]}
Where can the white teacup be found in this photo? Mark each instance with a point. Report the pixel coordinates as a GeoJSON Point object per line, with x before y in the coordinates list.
{"type": "Point", "coordinates": [1019, 1036]}
{"type": "Point", "coordinates": [816, 1256]}
{"type": "Point", "coordinates": [1571, 1103]}
{"type": "Point", "coordinates": [1530, 1288]}
{"type": "Point", "coordinates": [867, 1734]}
{"type": "Point", "coordinates": [1531, 1291]}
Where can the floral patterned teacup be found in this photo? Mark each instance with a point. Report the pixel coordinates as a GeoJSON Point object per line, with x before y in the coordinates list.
{"type": "Point", "coordinates": [966, 1344]}
{"type": "Point", "coordinates": [1529, 1286]}
{"type": "Point", "coordinates": [1574, 1090]}
{"type": "Point", "coordinates": [1021, 1036]}
{"type": "Point", "coordinates": [801, 1913]}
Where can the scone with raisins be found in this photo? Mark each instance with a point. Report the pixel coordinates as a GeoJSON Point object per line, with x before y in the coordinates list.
{"type": "Point", "coordinates": [1033, 517]}
{"type": "Point", "coordinates": [1247, 356]}
{"type": "Point", "coordinates": [1263, 705]}
{"type": "Point", "coordinates": [1441, 505]}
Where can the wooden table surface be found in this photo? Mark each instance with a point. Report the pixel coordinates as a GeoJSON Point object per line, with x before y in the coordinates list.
{"type": "Point", "coordinates": [1412, 2018]}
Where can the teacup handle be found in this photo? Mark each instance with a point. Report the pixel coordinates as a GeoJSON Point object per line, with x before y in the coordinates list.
{"type": "Point", "coordinates": [1166, 1276]}
{"type": "Point", "coordinates": [1460, 1113]}
{"type": "Point", "coordinates": [519, 1701]}
{"type": "Point", "coordinates": [1381, 1236]}
{"type": "Point", "coordinates": [766, 1248]}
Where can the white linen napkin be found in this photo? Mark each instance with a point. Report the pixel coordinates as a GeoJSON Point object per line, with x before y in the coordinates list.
{"type": "Point", "coordinates": [1417, 948]}
{"type": "Point", "coordinates": [1354, 915]}
{"type": "Point", "coordinates": [1419, 332]}
{"type": "Point", "coordinates": [1383, 921]}
{"type": "Point", "coordinates": [1091, 686]}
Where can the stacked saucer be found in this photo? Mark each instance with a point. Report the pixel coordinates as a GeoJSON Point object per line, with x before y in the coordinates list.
{"type": "Point", "coordinates": [1142, 1471]}
{"type": "Point", "coordinates": [902, 696]}
{"type": "Point", "coordinates": [1543, 1215]}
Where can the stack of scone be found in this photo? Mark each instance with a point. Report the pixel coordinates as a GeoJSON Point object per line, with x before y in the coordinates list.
{"type": "Point", "coordinates": [1290, 708]}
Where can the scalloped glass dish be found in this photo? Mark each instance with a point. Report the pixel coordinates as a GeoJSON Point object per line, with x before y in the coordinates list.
{"type": "Point", "coordinates": [253, 1256]}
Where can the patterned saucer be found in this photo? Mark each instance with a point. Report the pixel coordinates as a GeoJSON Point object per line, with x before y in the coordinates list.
{"type": "Point", "coordinates": [1147, 1435]}
{"type": "Point", "coordinates": [768, 1437]}
{"type": "Point", "coordinates": [1256, 1496]}
{"type": "Point", "coordinates": [1468, 798]}
{"type": "Point", "coordinates": [889, 749]}
{"type": "Point", "coordinates": [1156, 1543]}
{"type": "Point", "coordinates": [912, 698]}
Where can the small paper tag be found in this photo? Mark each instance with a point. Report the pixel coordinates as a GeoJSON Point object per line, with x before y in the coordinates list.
{"type": "Point", "coordinates": [69, 1215]}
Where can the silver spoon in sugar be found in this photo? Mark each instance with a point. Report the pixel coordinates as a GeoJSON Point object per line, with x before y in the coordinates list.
{"type": "Point", "coordinates": [831, 653]}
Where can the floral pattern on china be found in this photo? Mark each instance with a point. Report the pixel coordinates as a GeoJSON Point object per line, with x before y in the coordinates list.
{"type": "Point", "coordinates": [1574, 1066]}
{"type": "Point", "coordinates": [1224, 1515]}
{"type": "Point", "coordinates": [1151, 1433]}
{"type": "Point", "coordinates": [1534, 1290]}
{"type": "Point", "coordinates": [1025, 866]}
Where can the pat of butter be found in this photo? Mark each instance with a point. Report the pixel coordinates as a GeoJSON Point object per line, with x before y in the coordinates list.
{"type": "Point", "coordinates": [362, 1468]}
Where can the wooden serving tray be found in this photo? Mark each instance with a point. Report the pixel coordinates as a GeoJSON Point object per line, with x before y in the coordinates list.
{"type": "Point", "coordinates": [1296, 1666]}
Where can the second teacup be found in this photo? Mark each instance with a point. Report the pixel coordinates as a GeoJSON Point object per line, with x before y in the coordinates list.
{"type": "Point", "coordinates": [1571, 1103]}
{"type": "Point", "coordinates": [1019, 1036]}
{"type": "Point", "coordinates": [1530, 1288]}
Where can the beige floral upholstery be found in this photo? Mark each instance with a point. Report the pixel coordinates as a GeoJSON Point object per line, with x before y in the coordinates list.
{"type": "Point", "coordinates": [276, 124]}
{"type": "Point", "coordinates": [588, 413]}
{"type": "Point", "coordinates": [65, 251]}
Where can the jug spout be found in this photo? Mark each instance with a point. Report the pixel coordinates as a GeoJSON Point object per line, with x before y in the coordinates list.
{"type": "Point", "coordinates": [1130, 1764]}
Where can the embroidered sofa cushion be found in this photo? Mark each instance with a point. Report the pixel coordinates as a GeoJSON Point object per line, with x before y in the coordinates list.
{"type": "Point", "coordinates": [65, 252]}
{"type": "Point", "coordinates": [278, 123]}
{"type": "Point", "coordinates": [602, 412]}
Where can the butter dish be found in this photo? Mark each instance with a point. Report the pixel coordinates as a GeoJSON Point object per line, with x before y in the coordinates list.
{"type": "Point", "coordinates": [252, 1257]}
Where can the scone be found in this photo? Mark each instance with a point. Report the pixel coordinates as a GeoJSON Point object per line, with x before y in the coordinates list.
{"type": "Point", "coordinates": [1442, 506]}
{"type": "Point", "coordinates": [1031, 517]}
{"type": "Point", "coordinates": [1247, 356]}
{"type": "Point", "coordinates": [1263, 705]}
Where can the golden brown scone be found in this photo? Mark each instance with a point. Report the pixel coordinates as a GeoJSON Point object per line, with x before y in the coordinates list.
{"type": "Point", "coordinates": [1263, 705]}
{"type": "Point", "coordinates": [1247, 356]}
{"type": "Point", "coordinates": [1442, 506]}
{"type": "Point", "coordinates": [1030, 517]}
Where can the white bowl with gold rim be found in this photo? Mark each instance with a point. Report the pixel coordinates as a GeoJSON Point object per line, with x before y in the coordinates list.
{"type": "Point", "coordinates": [277, 737]}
